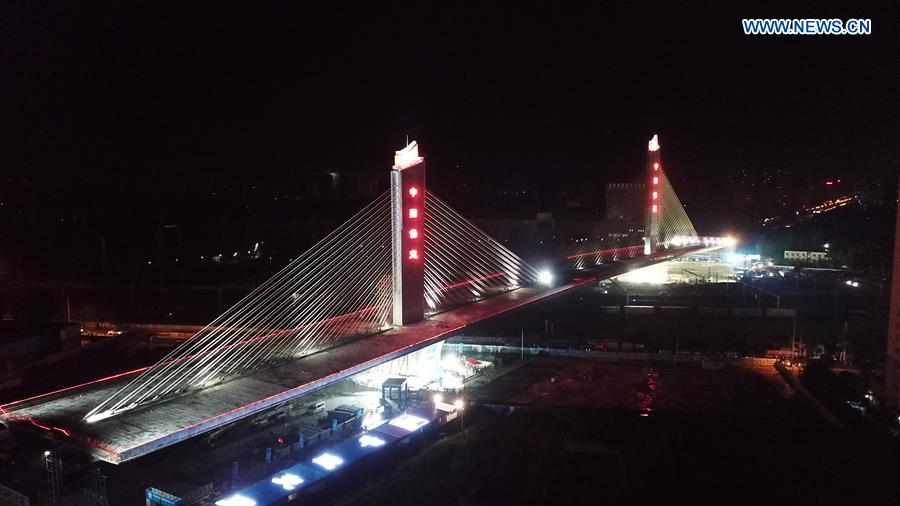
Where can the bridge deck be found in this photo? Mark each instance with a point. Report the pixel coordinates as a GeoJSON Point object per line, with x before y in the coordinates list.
{"type": "Point", "coordinates": [141, 431]}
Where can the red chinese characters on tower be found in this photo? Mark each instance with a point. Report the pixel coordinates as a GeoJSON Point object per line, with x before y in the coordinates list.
{"type": "Point", "coordinates": [413, 229]}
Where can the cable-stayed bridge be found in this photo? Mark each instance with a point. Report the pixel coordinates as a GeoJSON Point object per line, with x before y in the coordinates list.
{"type": "Point", "coordinates": [403, 273]}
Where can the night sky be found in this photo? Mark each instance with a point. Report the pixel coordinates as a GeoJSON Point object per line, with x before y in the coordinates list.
{"type": "Point", "coordinates": [133, 99]}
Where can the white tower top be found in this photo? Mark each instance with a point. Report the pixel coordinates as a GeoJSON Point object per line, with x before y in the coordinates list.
{"type": "Point", "coordinates": [407, 157]}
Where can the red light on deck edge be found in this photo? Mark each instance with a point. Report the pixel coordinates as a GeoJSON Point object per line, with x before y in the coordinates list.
{"type": "Point", "coordinates": [413, 233]}
{"type": "Point", "coordinates": [413, 254]}
{"type": "Point", "coordinates": [413, 212]}
{"type": "Point", "coordinates": [413, 191]}
{"type": "Point", "coordinates": [656, 166]}
{"type": "Point", "coordinates": [655, 195]}
{"type": "Point", "coordinates": [655, 180]}
{"type": "Point", "coordinates": [654, 208]}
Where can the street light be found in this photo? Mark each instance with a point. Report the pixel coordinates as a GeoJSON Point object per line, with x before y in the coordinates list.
{"type": "Point", "coordinates": [545, 277]}
{"type": "Point", "coordinates": [460, 406]}
{"type": "Point", "coordinates": [438, 398]}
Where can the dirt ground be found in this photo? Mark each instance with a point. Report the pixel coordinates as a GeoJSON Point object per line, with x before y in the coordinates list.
{"type": "Point", "coordinates": [739, 389]}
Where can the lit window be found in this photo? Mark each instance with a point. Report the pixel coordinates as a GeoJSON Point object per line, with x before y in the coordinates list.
{"type": "Point", "coordinates": [367, 440]}
{"type": "Point", "coordinates": [655, 180]}
{"type": "Point", "coordinates": [236, 500]}
{"type": "Point", "coordinates": [413, 254]}
{"type": "Point", "coordinates": [408, 422]}
{"type": "Point", "coordinates": [288, 481]}
{"type": "Point", "coordinates": [328, 461]}
{"type": "Point", "coordinates": [413, 212]}
{"type": "Point", "coordinates": [413, 191]}
{"type": "Point", "coordinates": [413, 233]}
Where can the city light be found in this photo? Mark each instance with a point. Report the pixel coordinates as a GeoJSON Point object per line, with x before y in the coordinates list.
{"type": "Point", "coordinates": [236, 500]}
{"type": "Point", "coordinates": [328, 461]}
{"type": "Point", "coordinates": [408, 422]}
{"type": "Point", "coordinates": [438, 398]}
{"type": "Point", "coordinates": [545, 277]}
{"type": "Point", "coordinates": [372, 420]}
{"type": "Point", "coordinates": [367, 440]}
{"type": "Point", "coordinates": [288, 481]}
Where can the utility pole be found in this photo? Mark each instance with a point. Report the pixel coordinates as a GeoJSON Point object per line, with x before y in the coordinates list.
{"type": "Point", "coordinates": [794, 342]}
{"type": "Point", "coordinates": [100, 498]}
{"type": "Point", "coordinates": [52, 472]}
{"type": "Point", "coordinates": [522, 345]}
{"type": "Point", "coordinates": [675, 360]}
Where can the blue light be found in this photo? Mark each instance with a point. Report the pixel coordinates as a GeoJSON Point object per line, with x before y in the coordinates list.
{"type": "Point", "coordinates": [367, 440]}
{"type": "Point", "coordinates": [288, 481]}
{"type": "Point", "coordinates": [328, 461]}
{"type": "Point", "coordinates": [236, 500]}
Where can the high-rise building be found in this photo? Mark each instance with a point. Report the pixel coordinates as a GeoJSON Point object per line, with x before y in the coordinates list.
{"type": "Point", "coordinates": [892, 365]}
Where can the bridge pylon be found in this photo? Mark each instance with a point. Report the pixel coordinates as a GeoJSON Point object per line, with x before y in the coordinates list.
{"type": "Point", "coordinates": [654, 197]}
{"type": "Point", "coordinates": [407, 235]}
